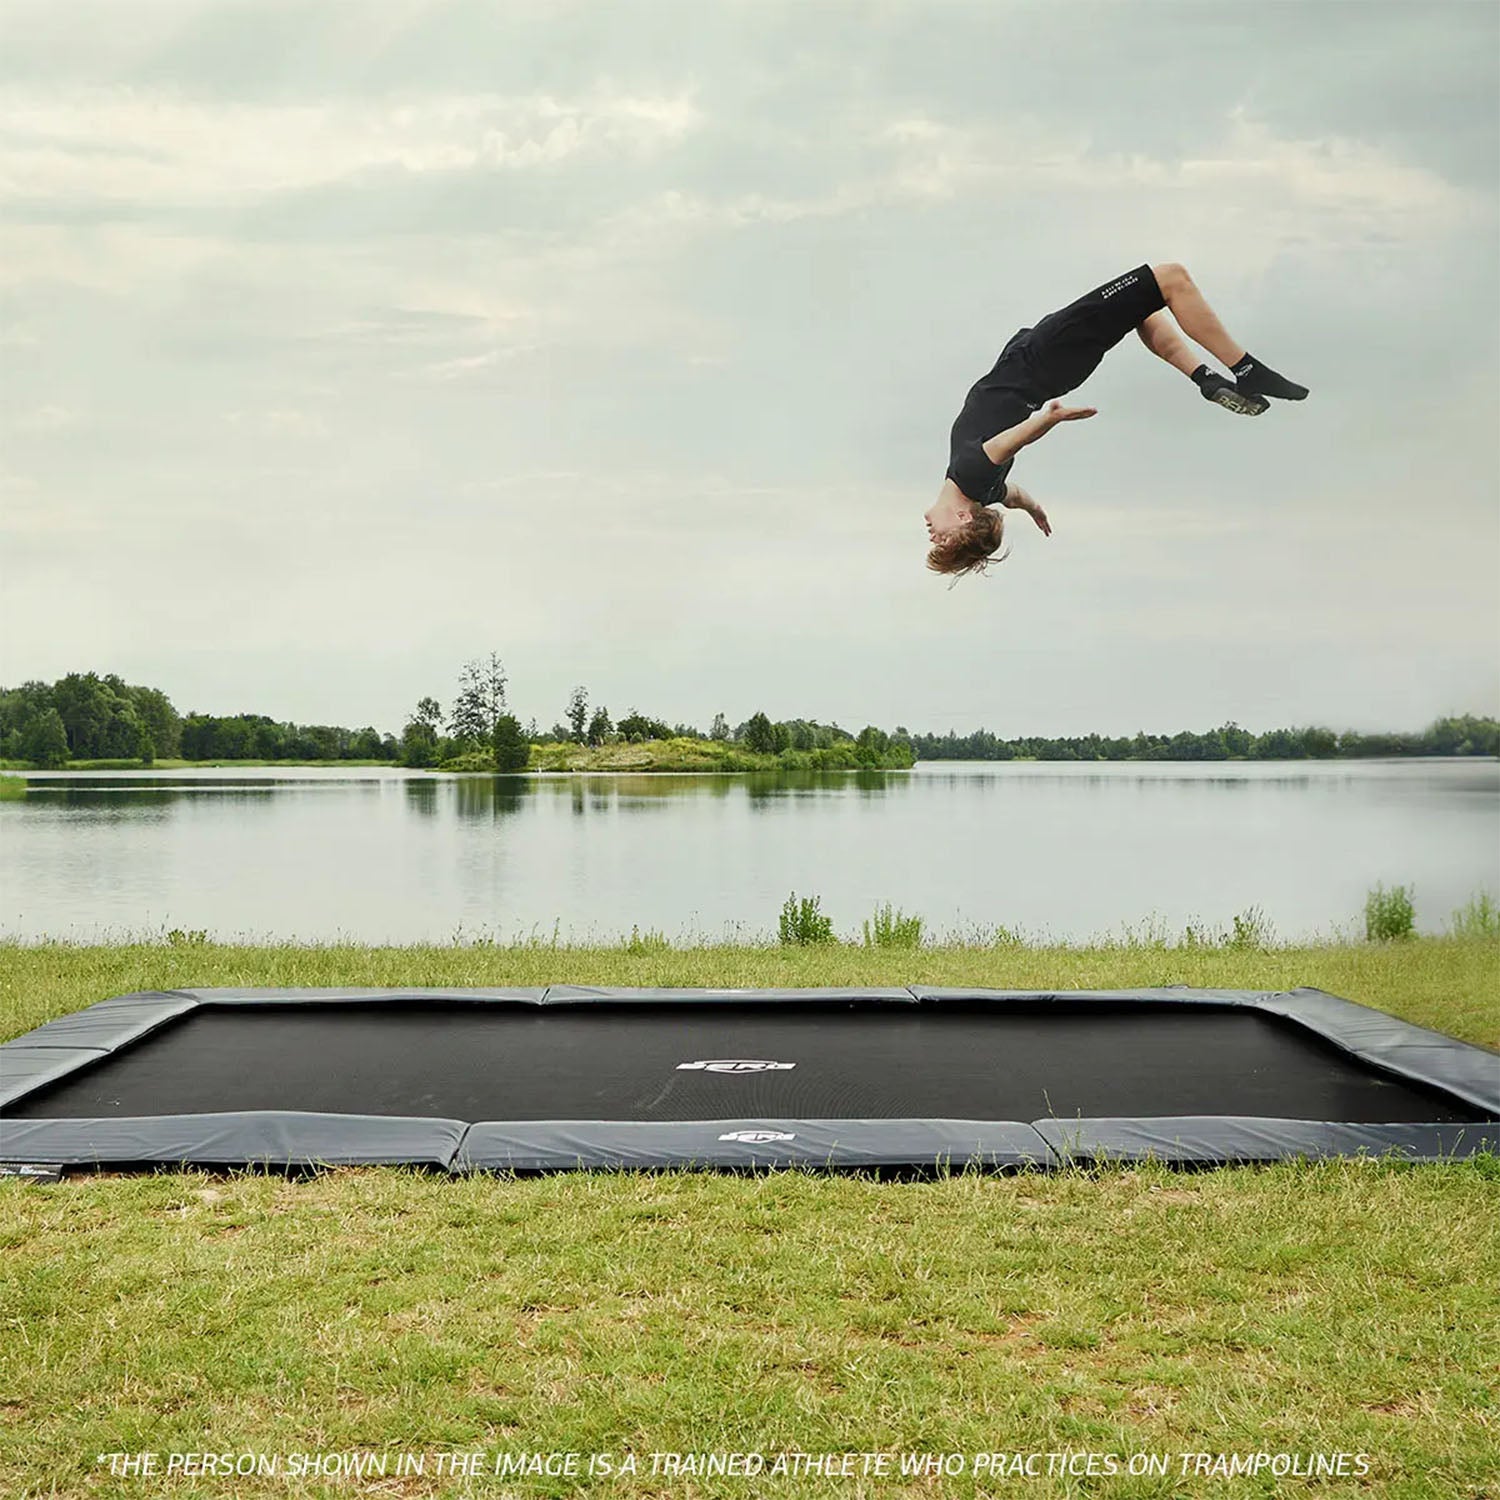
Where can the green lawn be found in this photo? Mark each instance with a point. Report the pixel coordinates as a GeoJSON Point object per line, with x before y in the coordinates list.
{"type": "Point", "coordinates": [1299, 1309]}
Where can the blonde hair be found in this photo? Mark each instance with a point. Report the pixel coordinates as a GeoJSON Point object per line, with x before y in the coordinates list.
{"type": "Point", "coordinates": [971, 549]}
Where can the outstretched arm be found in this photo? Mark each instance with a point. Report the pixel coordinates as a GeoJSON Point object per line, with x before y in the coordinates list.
{"type": "Point", "coordinates": [1018, 499]}
{"type": "Point", "coordinates": [1007, 444]}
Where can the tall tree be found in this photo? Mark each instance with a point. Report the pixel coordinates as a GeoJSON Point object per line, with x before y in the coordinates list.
{"type": "Point", "coordinates": [418, 744]}
{"type": "Point", "coordinates": [599, 726]}
{"type": "Point", "coordinates": [760, 737]}
{"type": "Point", "coordinates": [480, 701]}
{"type": "Point", "coordinates": [578, 714]}
{"type": "Point", "coordinates": [720, 730]}
{"type": "Point", "coordinates": [161, 721]}
{"type": "Point", "coordinates": [44, 741]}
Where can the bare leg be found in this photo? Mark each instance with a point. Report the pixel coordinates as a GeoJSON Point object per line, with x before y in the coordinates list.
{"type": "Point", "coordinates": [1159, 334]}
{"type": "Point", "coordinates": [1194, 316]}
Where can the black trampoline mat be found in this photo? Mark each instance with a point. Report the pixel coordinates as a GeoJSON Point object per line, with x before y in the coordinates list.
{"type": "Point", "coordinates": [474, 1062]}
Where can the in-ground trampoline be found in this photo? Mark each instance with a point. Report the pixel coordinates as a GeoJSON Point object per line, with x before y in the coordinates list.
{"type": "Point", "coordinates": [563, 1077]}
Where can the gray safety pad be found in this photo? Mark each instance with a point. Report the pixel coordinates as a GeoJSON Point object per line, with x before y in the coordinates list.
{"type": "Point", "coordinates": [521, 995]}
{"type": "Point", "coordinates": [1218, 1140]}
{"type": "Point", "coordinates": [557, 1145]}
{"type": "Point", "coordinates": [582, 994]}
{"type": "Point", "coordinates": [1168, 995]}
{"type": "Point", "coordinates": [279, 1138]}
{"type": "Point", "coordinates": [23, 1069]}
{"type": "Point", "coordinates": [111, 1023]}
{"type": "Point", "coordinates": [1388, 1042]}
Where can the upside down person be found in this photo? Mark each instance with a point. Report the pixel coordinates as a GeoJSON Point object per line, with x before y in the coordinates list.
{"type": "Point", "coordinates": [1014, 404]}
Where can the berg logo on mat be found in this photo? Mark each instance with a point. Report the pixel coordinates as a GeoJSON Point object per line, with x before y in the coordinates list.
{"type": "Point", "coordinates": [758, 1137]}
{"type": "Point", "coordinates": [735, 1065]}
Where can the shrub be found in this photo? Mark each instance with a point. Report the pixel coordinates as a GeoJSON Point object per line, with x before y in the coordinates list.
{"type": "Point", "coordinates": [12, 788]}
{"type": "Point", "coordinates": [641, 944]}
{"type": "Point", "coordinates": [470, 761]}
{"type": "Point", "coordinates": [803, 923]}
{"type": "Point", "coordinates": [1251, 930]}
{"type": "Point", "coordinates": [890, 927]}
{"type": "Point", "coordinates": [512, 753]}
{"type": "Point", "coordinates": [1388, 914]}
{"type": "Point", "coordinates": [1196, 935]}
{"type": "Point", "coordinates": [1479, 918]}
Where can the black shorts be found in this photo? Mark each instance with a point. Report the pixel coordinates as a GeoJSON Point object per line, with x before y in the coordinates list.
{"type": "Point", "coordinates": [1056, 356]}
{"type": "Point", "coordinates": [1065, 348]}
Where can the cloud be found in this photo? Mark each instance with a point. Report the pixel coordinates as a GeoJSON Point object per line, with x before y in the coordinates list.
{"type": "Point", "coordinates": [45, 419]}
{"type": "Point", "coordinates": [130, 146]}
{"type": "Point", "coordinates": [473, 364]}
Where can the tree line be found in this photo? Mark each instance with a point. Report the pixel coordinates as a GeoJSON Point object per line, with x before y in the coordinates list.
{"type": "Point", "coordinates": [1463, 735]}
{"type": "Point", "coordinates": [92, 716]}
{"type": "Point", "coordinates": [478, 726]}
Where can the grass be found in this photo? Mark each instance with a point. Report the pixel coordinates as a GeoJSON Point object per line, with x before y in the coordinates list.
{"type": "Point", "coordinates": [1301, 1308]}
{"type": "Point", "coordinates": [1446, 983]}
{"type": "Point", "coordinates": [12, 788]}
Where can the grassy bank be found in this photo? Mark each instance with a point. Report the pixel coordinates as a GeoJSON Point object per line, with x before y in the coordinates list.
{"type": "Point", "coordinates": [701, 755]}
{"type": "Point", "coordinates": [650, 755]}
{"type": "Point", "coordinates": [647, 755]}
{"type": "Point", "coordinates": [1299, 1309]}
{"type": "Point", "coordinates": [1446, 983]}
{"type": "Point", "coordinates": [12, 788]}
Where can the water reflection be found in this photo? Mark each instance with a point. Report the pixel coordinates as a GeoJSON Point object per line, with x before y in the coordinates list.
{"type": "Point", "coordinates": [1060, 849]}
{"type": "Point", "coordinates": [422, 795]}
{"type": "Point", "coordinates": [775, 786]}
{"type": "Point", "coordinates": [491, 797]}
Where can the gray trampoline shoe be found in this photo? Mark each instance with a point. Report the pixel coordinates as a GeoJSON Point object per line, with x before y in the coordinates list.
{"type": "Point", "coordinates": [1228, 395]}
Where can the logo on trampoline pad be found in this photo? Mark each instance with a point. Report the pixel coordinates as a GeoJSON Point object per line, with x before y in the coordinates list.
{"type": "Point", "coordinates": [758, 1137]}
{"type": "Point", "coordinates": [735, 1065]}
{"type": "Point", "coordinates": [49, 1171]}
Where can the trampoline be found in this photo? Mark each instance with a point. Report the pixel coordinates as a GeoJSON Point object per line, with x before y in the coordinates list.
{"type": "Point", "coordinates": [564, 1077]}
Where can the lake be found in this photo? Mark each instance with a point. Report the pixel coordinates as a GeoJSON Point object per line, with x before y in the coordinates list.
{"type": "Point", "coordinates": [1066, 851]}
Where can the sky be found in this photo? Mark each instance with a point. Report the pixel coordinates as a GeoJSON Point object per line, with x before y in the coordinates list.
{"type": "Point", "coordinates": [343, 343]}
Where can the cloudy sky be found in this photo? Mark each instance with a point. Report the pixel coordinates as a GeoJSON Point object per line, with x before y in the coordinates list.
{"type": "Point", "coordinates": [342, 342]}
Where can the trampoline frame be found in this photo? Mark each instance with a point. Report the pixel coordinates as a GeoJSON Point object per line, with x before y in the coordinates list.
{"type": "Point", "coordinates": [285, 1139]}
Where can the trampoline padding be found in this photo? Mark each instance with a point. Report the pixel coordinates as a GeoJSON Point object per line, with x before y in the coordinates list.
{"type": "Point", "coordinates": [542, 1079]}
{"type": "Point", "coordinates": [279, 1138]}
{"type": "Point", "coordinates": [558, 1145]}
{"type": "Point", "coordinates": [1216, 1140]}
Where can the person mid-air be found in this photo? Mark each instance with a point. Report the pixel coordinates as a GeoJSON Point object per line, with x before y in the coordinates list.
{"type": "Point", "coordinates": [1014, 404]}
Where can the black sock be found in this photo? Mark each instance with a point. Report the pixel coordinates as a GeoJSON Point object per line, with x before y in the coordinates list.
{"type": "Point", "coordinates": [1257, 379]}
{"type": "Point", "coordinates": [1203, 376]}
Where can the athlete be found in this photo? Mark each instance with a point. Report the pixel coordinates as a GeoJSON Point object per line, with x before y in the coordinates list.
{"type": "Point", "coordinates": [1014, 404]}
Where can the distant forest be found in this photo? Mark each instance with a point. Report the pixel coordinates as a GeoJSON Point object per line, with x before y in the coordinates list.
{"type": "Point", "coordinates": [92, 717]}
